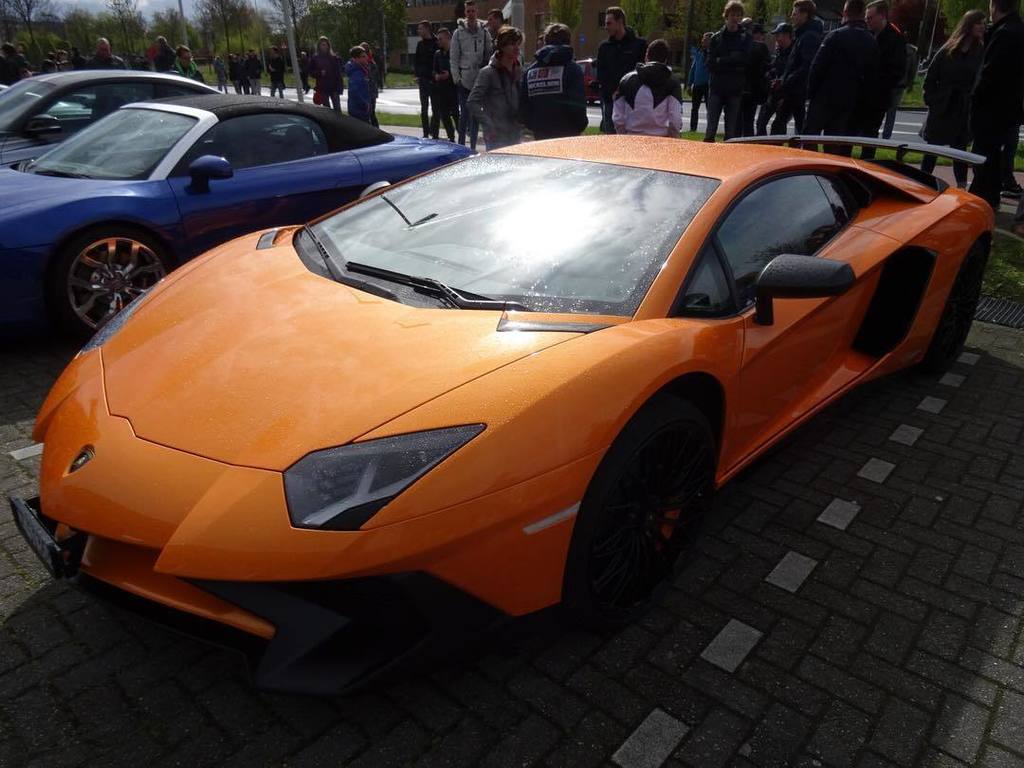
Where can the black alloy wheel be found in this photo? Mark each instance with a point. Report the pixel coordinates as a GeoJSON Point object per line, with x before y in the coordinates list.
{"type": "Point", "coordinates": [951, 333]}
{"type": "Point", "coordinates": [641, 512]}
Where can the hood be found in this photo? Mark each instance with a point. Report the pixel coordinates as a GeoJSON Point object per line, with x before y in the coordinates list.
{"type": "Point", "coordinates": [553, 55]}
{"type": "Point", "coordinates": [654, 74]}
{"type": "Point", "coordinates": [251, 359]}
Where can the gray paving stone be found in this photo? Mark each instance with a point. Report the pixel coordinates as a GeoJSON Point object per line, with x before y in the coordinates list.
{"type": "Point", "coordinates": [791, 571]}
{"type": "Point", "coordinates": [1008, 728]}
{"type": "Point", "coordinates": [932, 404]}
{"type": "Point", "coordinates": [961, 728]}
{"type": "Point", "coordinates": [906, 434]}
{"type": "Point", "coordinates": [731, 646]}
{"type": "Point", "coordinates": [952, 380]}
{"type": "Point", "coordinates": [839, 513]}
{"type": "Point", "coordinates": [876, 470]}
{"type": "Point", "coordinates": [968, 358]}
{"type": "Point", "coordinates": [652, 742]}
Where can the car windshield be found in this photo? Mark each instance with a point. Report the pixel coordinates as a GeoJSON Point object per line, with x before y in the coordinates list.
{"type": "Point", "coordinates": [19, 99]}
{"type": "Point", "coordinates": [127, 144]}
{"type": "Point", "coordinates": [554, 235]}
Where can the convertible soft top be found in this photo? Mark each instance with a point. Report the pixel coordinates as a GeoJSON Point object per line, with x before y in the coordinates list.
{"type": "Point", "coordinates": [343, 133]}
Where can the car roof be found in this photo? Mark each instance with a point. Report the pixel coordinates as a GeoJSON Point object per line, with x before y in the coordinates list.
{"type": "Point", "coordinates": [342, 132]}
{"type": "Point", "coordinates": [77, 76]}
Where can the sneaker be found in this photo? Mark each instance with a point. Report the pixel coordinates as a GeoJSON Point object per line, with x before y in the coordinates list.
{"type": "Point", "coordinates": [1012, 190]}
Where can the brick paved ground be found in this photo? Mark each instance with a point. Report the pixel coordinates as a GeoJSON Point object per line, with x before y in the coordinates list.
{"type": "Point", "coordinates": [856, 600]}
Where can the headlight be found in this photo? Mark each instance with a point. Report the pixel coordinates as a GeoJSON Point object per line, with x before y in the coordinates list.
{"type": "Point", "coordinates": [339, 489]}
{"type": "Point", "coordinates": [103, 335]}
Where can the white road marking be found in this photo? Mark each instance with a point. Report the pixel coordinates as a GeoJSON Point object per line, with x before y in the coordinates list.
{"type": "Point", "coordinates": [26, 453]}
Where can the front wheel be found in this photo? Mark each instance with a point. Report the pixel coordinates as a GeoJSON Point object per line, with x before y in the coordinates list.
{"type": "Point", "coordinates": [98, 273]}
{"type": "Point", "coordinates": [640, 513]}
{"type": "Point", "coordinates": [951, 333]}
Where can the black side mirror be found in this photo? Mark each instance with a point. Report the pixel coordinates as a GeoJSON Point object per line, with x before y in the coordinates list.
{"type": "Point", "coordinates": [43, 125]}
{"type": "Point", "coordinates": [207, 167]}
{"type": "Point", "coordinates": [799, 277]}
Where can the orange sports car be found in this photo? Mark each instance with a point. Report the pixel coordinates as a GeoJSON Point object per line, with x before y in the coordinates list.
{"type": "Point", "coordinates": [507, 383]}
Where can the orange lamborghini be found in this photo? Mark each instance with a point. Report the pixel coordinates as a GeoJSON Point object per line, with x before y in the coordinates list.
{"type": "Point", "coordinates": [507, 383]}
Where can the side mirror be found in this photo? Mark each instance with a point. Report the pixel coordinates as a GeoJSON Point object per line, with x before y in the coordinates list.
{"type": "Point", "coordinates": [207, 167]}
{"type": "Point", "coordinates": [799, 277]}
{"type": "Point", "coordinates": [377, 185]}
{"type": "Point", "coordinates": [43, 125]}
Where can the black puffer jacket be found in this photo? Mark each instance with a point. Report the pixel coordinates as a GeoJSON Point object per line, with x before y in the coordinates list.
{"type": "Point", "coordinates": [844, 74]}
{"type": "Point", "coordinates": [757, 72]}
{"type": "Point", "coordinates": [656, 76]}
{"type": "Point", "coordinates": [802, 51]}
{"type": "Point", "coordinates": [616, 58]}
{"type": "Point", "coordinates": [728, 61]}
{"type": "Point", "coordinates": [551, 99]}
{"type": "Point", "coordinates": [999, 92]}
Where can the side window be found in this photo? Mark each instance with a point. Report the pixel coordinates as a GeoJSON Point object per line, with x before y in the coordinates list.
{"type": "Point", "coordinates": [167, 90]}
{"type": "Point", "coordinates": [77, 109]}
{"type": "Point", "coordinates": [840, 198]}
{"type": "Point", "coordinates": [788, 215]}
{"type": "Point", "coordinates": [707, 287]}
{"type": "Point", "coordinates": [254, 140]}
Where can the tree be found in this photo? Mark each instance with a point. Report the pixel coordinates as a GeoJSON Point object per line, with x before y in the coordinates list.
{"type": "Point", "coordinates": [167, 24]}
{"type": "Point", "coordinates": [350, 22]}
{"type": "Point", "coordinates": [80, 28]}
{"type": "Point", "coordinates": [644, 16]}
{"type": "Point", "coordinates": [568, 12]}
{"type": "Point", "coordinates": [224, 11]}
{"type": "Point", "coordinates": [28, 11]}
{"type": "Point", "coordinates": [126, 12]}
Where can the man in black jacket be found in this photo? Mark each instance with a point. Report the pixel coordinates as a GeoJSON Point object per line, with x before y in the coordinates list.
{"type": "Point", "coordinates": [423, 68]}
{"type": "Point", "coordinates": [996, 103]}
{"type": "Point", "coordinates": [728, 62]}
{"type": "Point", "coordinates": [783, 34]}
{"type": "Point", "coordinates": [616, 56]}
{"type": "Point", "coordinates": [756, 91]}
{"type": "Point", "coordinates": [892, 65]}
{"type": "Point", "coordinates": [843, 75]}
{"type": "Point", "coordinates": [552, 103]}
{"type": "Point", "coordinates": [792, 92]}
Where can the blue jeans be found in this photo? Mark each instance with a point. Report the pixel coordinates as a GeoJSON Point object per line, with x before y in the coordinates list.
{"type": "Point", "coordinates": [466, 120]}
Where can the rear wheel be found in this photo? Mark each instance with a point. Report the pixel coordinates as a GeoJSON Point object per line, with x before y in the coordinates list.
{"type": "Point", "coordinates": [640, 513]}
{"type": "Point", "coordinates": [948, 340]}
{"type": "Point", "coordinates": [98, 273]}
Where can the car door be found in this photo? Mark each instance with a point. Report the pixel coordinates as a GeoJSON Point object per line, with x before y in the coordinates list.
{"type": "Point", "coordinates": [79, 107]}
{"type": "Point", "coordinates": [805, 355]}
{"type": "Point", "coordinates": [283, 174]}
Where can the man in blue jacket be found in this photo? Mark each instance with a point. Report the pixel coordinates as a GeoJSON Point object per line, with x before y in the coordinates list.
{"type": "Point", "coordinates": [358, 71]}
{"type": "Point", "coordinates": [551, 100]}
{"type": "Point", "coordinates": [793, 90]}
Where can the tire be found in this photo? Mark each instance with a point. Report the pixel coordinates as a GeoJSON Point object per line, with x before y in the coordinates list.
{"type": "Point", "coordinates": [92, 277]}
{"type": "Point", "coordinates": [955, 323]}
{"type": "Point", "coordinates": [623, 553]}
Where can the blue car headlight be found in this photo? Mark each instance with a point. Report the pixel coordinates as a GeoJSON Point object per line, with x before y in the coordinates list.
{"type": "Point", "coordinates": [112, 326]}
{"type": "Point", "coordinates": [339, 489]}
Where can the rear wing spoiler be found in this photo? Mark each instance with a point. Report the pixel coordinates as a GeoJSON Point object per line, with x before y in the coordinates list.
{"type": "Point", "coordinates": [901, 148]}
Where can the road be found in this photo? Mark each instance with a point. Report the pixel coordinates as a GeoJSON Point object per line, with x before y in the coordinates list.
{"type": "Point", "coordinates": [406, 101]}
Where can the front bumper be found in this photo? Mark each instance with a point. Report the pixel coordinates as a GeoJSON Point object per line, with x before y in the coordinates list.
{"type": "Point", "coordinates": [329, 637]}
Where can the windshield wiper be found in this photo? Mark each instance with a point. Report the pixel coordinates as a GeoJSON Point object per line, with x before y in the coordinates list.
{"type": "Point", "coordinates": [405, 218]}
{"type": "Point", "coordinates": [455, 297]}
{"type": "Point", "coordinates": [339, 277]}
{"type": "Point", "coordinates": [62, 174]}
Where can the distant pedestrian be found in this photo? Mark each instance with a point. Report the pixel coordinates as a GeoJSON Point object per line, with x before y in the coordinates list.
{"type": "Point", "coordinates": [551, 97]}
{"type": "Point", "coordinates": [494, 99]}
{"type": "Point", "coordinates": [470, 51]}
{"type": "Point", "coordinates": [783, 35]}
{"type": "Point", "coordinates": [9, 72]}
{"type": "Point", "coordinates": [443, 98]}
{"type": "Point", "coordinates": [104, 57]}
{"type": "Point", "coordinates": [896, 97]}
{"type": "Point", "coordinates": [185, 67]}
{"type": "Point", "coordinates": [844, 75]}
{"type": "Point", "coordinates": [254, 73]}
{"type": "Point", "coordinates": [326, 68]}
{"type": "Point", "coordinates": [304, 71]}
{"type": "Point", "coordinates": [358, 72]}
{"type": "Point", "coordinates": [222, 74]}
{"type": "Point", "coordinates": [236, 73]}
{"type": "Point", "coordinates": [78, 61]}
{"type": "Point", "coordinates": [892, 65]}
{"type": "Point", "coordinates": [423, 68]}
{"type": "Point", "coordinates": [792, 92]}
{"type": "Point", "coordinates": [697, 79]}
{"type": "Point", "coordinates": [947, 91]}
{"type": "Point", "coordinates": [997, 97]}
{"type": "Point", "coordinates": [616, 57]}
{"type": "Point", "coordinates": [649, 101]}
{"type": "Point", "coordinates": [729, 55]}
{"type": "Point", "coordinates": [755, 93]}
{"type": "Point", "coordinates": [163, 56]}
{"type": "Point", "coordinates": [373, 80]}
{"type": "Point", "coordinates": [276, 69]}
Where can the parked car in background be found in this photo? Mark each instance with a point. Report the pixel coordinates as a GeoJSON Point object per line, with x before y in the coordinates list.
{"type": "Point", "coordinates": [41, 111]}
{"type": "Point", "coordinates": [591, 87]}
{"type": "Point", "coordinates": [94, 222]}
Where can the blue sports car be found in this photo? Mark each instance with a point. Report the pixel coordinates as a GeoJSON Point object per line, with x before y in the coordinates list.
{"type": "Point", "coordinates": [98, 219]}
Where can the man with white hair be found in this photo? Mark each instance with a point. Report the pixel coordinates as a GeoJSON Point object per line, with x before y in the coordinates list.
{"type": "Point", "coordinates": [105, 58]}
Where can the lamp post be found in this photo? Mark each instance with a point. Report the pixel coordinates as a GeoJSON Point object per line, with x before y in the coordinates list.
{"type": "Point", "coordinates": [184, 25]}
{"type": "Point", "coordinates": [291, 23]}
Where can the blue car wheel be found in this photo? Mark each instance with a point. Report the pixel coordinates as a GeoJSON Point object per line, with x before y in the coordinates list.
{"type": "Point", "coordinates": [98, 273]}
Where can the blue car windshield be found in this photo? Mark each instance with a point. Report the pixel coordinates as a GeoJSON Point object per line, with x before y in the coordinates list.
{"type": "Point", "coordinates": [20, 99]}
{"type": "Point", "coordinates": [554, 235]}
{"type": "Point", "coordinates": [125, 145]}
